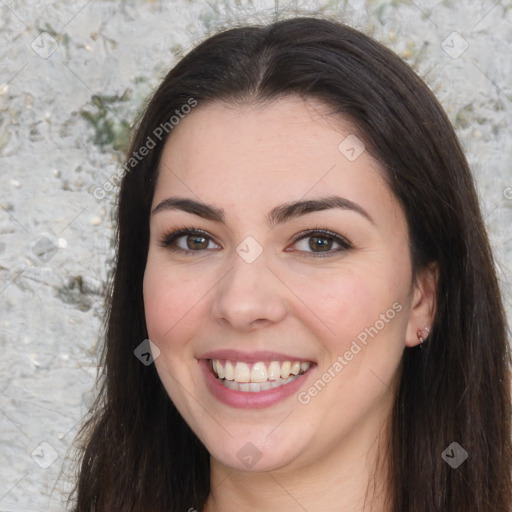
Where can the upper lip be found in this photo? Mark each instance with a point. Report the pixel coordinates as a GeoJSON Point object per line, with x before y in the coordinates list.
{"type": "Point", "coordinates": [251, 357]}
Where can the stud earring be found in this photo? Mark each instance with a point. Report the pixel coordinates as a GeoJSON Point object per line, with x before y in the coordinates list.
{"type": "Point", "coordinates": [423, 334]}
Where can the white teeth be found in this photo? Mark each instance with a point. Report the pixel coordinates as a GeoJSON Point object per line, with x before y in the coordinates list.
{"type": "Point", "coordinates": [229, 370]}
{"type": "Point", "coordinates": [231, 384]}
{"type": "Point", "coordinates": [242, 372]}
{"type": "Point", "coordinates": [285, 369]}
{"type": "Point", "coordinates": [265, 375]}
{"type": "Point", "coordinates": [263, 386]}
{"type": "Point", "coordinates": [303, 367]}
{"type": "Point", "coordinates": [219, 369]}
{"type": "Point", "coordinates": [274, 370]}
{"type": "Point", "coordinates": [255, 387]}
{"type": "Point", "coordinates": [295, 369]}
{"type": "Point", "coordinates": [259, 373]}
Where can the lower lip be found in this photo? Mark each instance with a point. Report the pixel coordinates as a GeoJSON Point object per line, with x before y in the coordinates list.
{"type": "Point", "coordinates": [248, 399]}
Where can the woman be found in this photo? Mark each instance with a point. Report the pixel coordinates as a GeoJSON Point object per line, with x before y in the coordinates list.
{"type": "Point", "coordinates": [300, 239]}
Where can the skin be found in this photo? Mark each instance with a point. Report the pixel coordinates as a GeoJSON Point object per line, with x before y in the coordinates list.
{"type": "Point", "coordinates": [247, 159]}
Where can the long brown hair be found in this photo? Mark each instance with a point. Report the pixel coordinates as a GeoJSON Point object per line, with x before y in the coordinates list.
{"type": "Point", "coordinates": [139, 454]}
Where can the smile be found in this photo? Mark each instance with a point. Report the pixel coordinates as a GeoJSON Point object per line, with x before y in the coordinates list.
{"type": "Point", "coordinates": [259, 376]}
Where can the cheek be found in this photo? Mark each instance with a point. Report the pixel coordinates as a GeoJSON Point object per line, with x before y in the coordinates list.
{"type": "Point", "coordinates": [168, 302]}
{"type": "Point", "coordinates": [362, 306]}
{"type": "Point", "coordinates": [345, 303]}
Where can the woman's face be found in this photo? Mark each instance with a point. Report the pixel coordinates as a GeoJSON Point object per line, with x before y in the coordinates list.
{"type": "Point", "coordinates": [301, 265]}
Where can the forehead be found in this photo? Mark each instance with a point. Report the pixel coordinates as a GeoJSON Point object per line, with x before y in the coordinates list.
{"type": "Point", "coordinates": [247, 158]}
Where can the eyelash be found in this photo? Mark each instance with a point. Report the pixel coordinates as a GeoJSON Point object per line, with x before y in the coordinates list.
{"type": "Point", "coordinates": [169, 238]}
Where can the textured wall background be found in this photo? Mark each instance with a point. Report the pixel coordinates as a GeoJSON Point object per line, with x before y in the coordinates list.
{"type": "Point", "coordinates": [73, 75]}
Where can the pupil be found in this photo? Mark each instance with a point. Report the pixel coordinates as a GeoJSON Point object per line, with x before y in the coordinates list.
{"type": "Point", "coordinates": [322, 243]}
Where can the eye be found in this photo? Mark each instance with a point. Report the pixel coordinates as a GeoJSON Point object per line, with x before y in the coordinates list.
{"type": "Point", "coordinates": [188, 240]}
{"type": "Point", "coordinates": [320, 242]}
{"type": "Point", "coordinates": [312, 243]}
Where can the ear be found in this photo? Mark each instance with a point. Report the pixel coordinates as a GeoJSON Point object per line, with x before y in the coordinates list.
{"type": "Point", "coordinates": [423, 305]}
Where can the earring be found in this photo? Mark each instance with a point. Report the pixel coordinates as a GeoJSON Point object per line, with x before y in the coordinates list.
{"type": "Point", "coordinates": [423, 334]}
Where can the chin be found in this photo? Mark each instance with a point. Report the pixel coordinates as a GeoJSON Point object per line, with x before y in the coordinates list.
{"type": "Point", "coordinates": [257, 453]}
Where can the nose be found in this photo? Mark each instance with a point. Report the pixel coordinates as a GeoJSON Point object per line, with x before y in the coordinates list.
{"type": "Point", "coordinates": [249, 296]}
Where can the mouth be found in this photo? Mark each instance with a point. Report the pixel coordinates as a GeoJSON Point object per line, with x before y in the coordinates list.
{"type": "Point", "coordinates": [258, 376]}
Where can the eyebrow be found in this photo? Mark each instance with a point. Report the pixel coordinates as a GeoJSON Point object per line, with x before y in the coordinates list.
{"type": "Point", "coordinates": [277, 215]}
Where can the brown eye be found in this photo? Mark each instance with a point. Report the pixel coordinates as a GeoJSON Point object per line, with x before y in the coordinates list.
{"type": "Point", "coordinates": [188, 241]}
{"type": "Point", "coordinates": [196, 242]}
{"type": "Point", "coordinates": [321, 243]}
